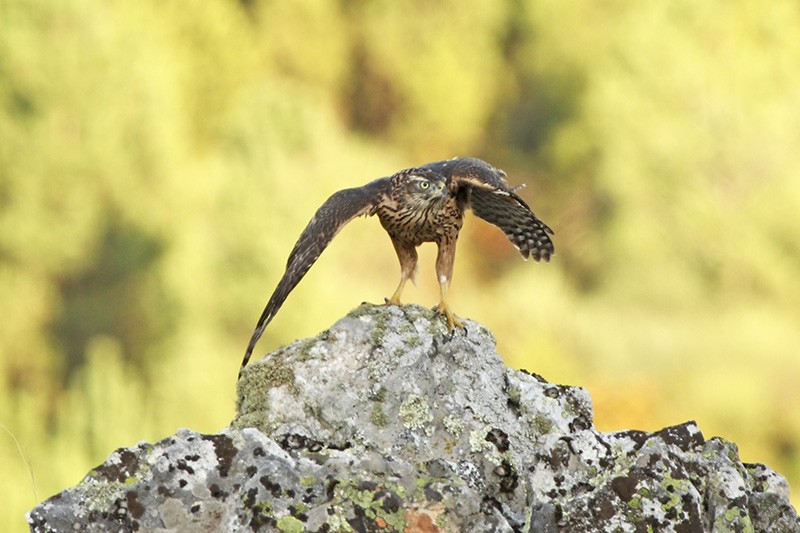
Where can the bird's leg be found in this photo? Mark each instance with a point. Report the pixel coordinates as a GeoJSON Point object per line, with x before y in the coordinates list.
{"type": "Point", "coordinates": [444, 269]}
{"type": "Point", "coordinates": [407, 254]}
{"type": "Point", "coordinates": [443, 309]}
{"type": "Point", "coordinates": [395, 299]}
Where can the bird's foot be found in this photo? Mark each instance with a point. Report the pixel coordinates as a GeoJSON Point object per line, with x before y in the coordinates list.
{"type": "Point", "coordinates": [394, 300]}
{"type": "Point", "coordinates": [452, 321]}
{"type": "Point", "coordinates": [386, 302]}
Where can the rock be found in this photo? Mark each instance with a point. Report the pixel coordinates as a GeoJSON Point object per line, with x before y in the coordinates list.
{"type": "Point", "coordinates": [387, 422]}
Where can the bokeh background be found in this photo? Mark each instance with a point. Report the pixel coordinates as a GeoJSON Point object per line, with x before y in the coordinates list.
{"type": "Point", "coordinates": [158, 158]}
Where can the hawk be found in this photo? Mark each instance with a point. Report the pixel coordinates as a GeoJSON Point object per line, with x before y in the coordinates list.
{"type": "Point", "coordinates": [416, 205]}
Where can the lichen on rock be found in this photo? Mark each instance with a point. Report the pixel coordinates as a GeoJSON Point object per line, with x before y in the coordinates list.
{"type": "Point", "coordinates": [389, 422]}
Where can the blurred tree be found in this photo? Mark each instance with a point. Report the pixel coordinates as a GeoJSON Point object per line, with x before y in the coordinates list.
{"type": "Point", "coordinates": [125, 272]}
{"type": "Point", "coordinates": [437, 62]}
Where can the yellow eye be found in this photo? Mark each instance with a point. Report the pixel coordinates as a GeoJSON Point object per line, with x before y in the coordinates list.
{"type": "Point", "coordinates": [424, 184]}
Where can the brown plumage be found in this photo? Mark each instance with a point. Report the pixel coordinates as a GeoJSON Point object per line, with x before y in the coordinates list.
{"type": "Point", "coordinates": [416, 205]}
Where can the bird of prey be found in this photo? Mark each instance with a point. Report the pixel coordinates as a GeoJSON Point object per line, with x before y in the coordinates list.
{"type": "Point", "coordinates": [416, 205]}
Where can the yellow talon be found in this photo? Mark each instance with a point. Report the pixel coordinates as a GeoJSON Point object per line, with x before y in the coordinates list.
{"type": "Point", "coordinates": [442, 308]}
{"type": "Point", "coordinates": [395, 299]}
{"type": "Point", "coordinates": [452, 321]}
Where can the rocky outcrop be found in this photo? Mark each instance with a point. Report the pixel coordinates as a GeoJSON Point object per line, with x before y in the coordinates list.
{"type": "Point", "coordinates": [387, 422]}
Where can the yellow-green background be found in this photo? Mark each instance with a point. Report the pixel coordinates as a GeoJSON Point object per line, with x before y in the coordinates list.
{"type": "Point", "coordinates": [158, 158]}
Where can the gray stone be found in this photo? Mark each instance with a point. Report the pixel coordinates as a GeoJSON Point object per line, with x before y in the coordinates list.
{"type": "Point", "coordinates": [388, 422]}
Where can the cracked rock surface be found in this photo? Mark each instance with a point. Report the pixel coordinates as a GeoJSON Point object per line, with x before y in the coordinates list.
{"type": "Point", "coordinates": [387, 422]}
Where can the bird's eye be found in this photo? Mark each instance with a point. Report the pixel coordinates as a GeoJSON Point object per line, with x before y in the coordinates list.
{"type": "Point", "coordinates": [424, 184]}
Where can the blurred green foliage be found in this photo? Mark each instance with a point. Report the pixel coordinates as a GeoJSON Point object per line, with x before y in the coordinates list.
{"type": "Point", "coordinates": [158, 160]}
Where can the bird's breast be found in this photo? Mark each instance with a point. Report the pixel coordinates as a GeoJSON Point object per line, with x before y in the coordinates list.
{"type": "Point", "coordinates": [422, 223]}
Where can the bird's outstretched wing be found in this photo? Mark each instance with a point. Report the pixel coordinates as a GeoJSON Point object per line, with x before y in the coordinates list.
{"type": "Point", "coordinates": [485, 190]}
{"type": "Point", "coordinates": [338, 210]}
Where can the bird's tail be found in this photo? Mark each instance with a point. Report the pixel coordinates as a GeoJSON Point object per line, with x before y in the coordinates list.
{"type": "Point", "coordinates": [285, 286]}
{"type": "Point", "coordinates": [250, 347]}
{"type": "Point", "coordinates": [266, 317]}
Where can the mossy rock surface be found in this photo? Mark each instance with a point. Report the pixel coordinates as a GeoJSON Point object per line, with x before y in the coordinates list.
{"type": "Point", "coordinates": [389, 422]}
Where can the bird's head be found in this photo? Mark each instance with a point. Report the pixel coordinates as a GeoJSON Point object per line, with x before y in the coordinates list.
{"type": "Point", "coordinates": [423, 187]}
